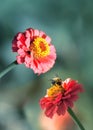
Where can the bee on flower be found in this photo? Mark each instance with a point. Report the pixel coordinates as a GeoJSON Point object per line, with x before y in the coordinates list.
{"type": "Point", "coordinates": [60, 96]}
{"type": "Point", "coordinates": [56, 81]}
{"type": "Point", "coordinates": [35, 50]}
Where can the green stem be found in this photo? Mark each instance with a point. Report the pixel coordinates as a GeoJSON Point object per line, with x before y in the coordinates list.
{"type": "Point", "coordinates": [76, 120]}
{"type": "Point", "coordinates": [8, 68]}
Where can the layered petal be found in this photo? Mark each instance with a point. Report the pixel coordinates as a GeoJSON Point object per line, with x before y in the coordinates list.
{"type": "Point", "coordinates": [60, 97]}
{"type": "Point", "coordinates": [34, 50]}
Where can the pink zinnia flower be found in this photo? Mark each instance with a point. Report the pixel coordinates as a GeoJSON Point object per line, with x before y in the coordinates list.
{"type": "Point", "coordinates": [35, 50]}
{"type": "Point", "coordinates": [60, 96]}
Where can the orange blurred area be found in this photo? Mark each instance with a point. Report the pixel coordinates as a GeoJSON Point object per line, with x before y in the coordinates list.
{"type": "Point", "coordinates": [57, 122]}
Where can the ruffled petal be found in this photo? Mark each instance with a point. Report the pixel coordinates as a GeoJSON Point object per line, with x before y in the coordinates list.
{"type": "Point", "coordinates": [22, 44]}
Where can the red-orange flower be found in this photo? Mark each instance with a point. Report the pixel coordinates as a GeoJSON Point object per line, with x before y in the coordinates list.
{"type": "Point", "coordinates": [35, 50]}
{"type": "Point", "coordinates": [56, 123]}
{"type": "Point", "coordinates": [60, 96]}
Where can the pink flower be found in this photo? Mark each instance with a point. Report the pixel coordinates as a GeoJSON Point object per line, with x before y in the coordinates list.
{"type": "Point", "coordinates": [60, 97]}
{"type": "Point", "coordinates": [35, 50]}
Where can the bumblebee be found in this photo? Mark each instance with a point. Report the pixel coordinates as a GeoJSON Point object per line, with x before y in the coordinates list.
{"type": "Point", "coordinates": [56, 81]}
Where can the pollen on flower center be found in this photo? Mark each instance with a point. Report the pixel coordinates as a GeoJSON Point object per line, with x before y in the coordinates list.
{"type": "Point", "coordinates": [40, 47]}
{"type": "Point", "coordinates": [54, 90]}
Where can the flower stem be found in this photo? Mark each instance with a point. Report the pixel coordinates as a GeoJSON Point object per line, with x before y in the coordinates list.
{"type": "Point", "coordinates": [8, 68]}
{"type": "Point", "coordinates": [76, 120]}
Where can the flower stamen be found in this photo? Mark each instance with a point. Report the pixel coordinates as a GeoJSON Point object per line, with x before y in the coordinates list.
{"type": "Point", "coordinates": [54, 90]}
{"type": "Point", "coordinates": [40, 47]}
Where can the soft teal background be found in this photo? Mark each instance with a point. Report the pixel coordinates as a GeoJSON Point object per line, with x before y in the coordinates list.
{"type": "Point", "coordinates": [70, 25]}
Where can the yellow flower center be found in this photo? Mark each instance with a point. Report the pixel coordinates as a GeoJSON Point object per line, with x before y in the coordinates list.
{"type": "Point", "coordinates": [40, 47]}
{"type": "Point", "coordinates": [54, 90]}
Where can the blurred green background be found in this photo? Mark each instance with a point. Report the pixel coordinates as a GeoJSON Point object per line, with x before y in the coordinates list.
{"type": "Point", "coordinates": [70, 25]}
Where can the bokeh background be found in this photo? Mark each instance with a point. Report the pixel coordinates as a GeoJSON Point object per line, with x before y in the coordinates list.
{"type": "Point", "coordinates": [70, 25]}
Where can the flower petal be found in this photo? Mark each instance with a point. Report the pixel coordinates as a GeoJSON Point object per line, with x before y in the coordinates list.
{"type": "Point", "coordinates": [23, 45]}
